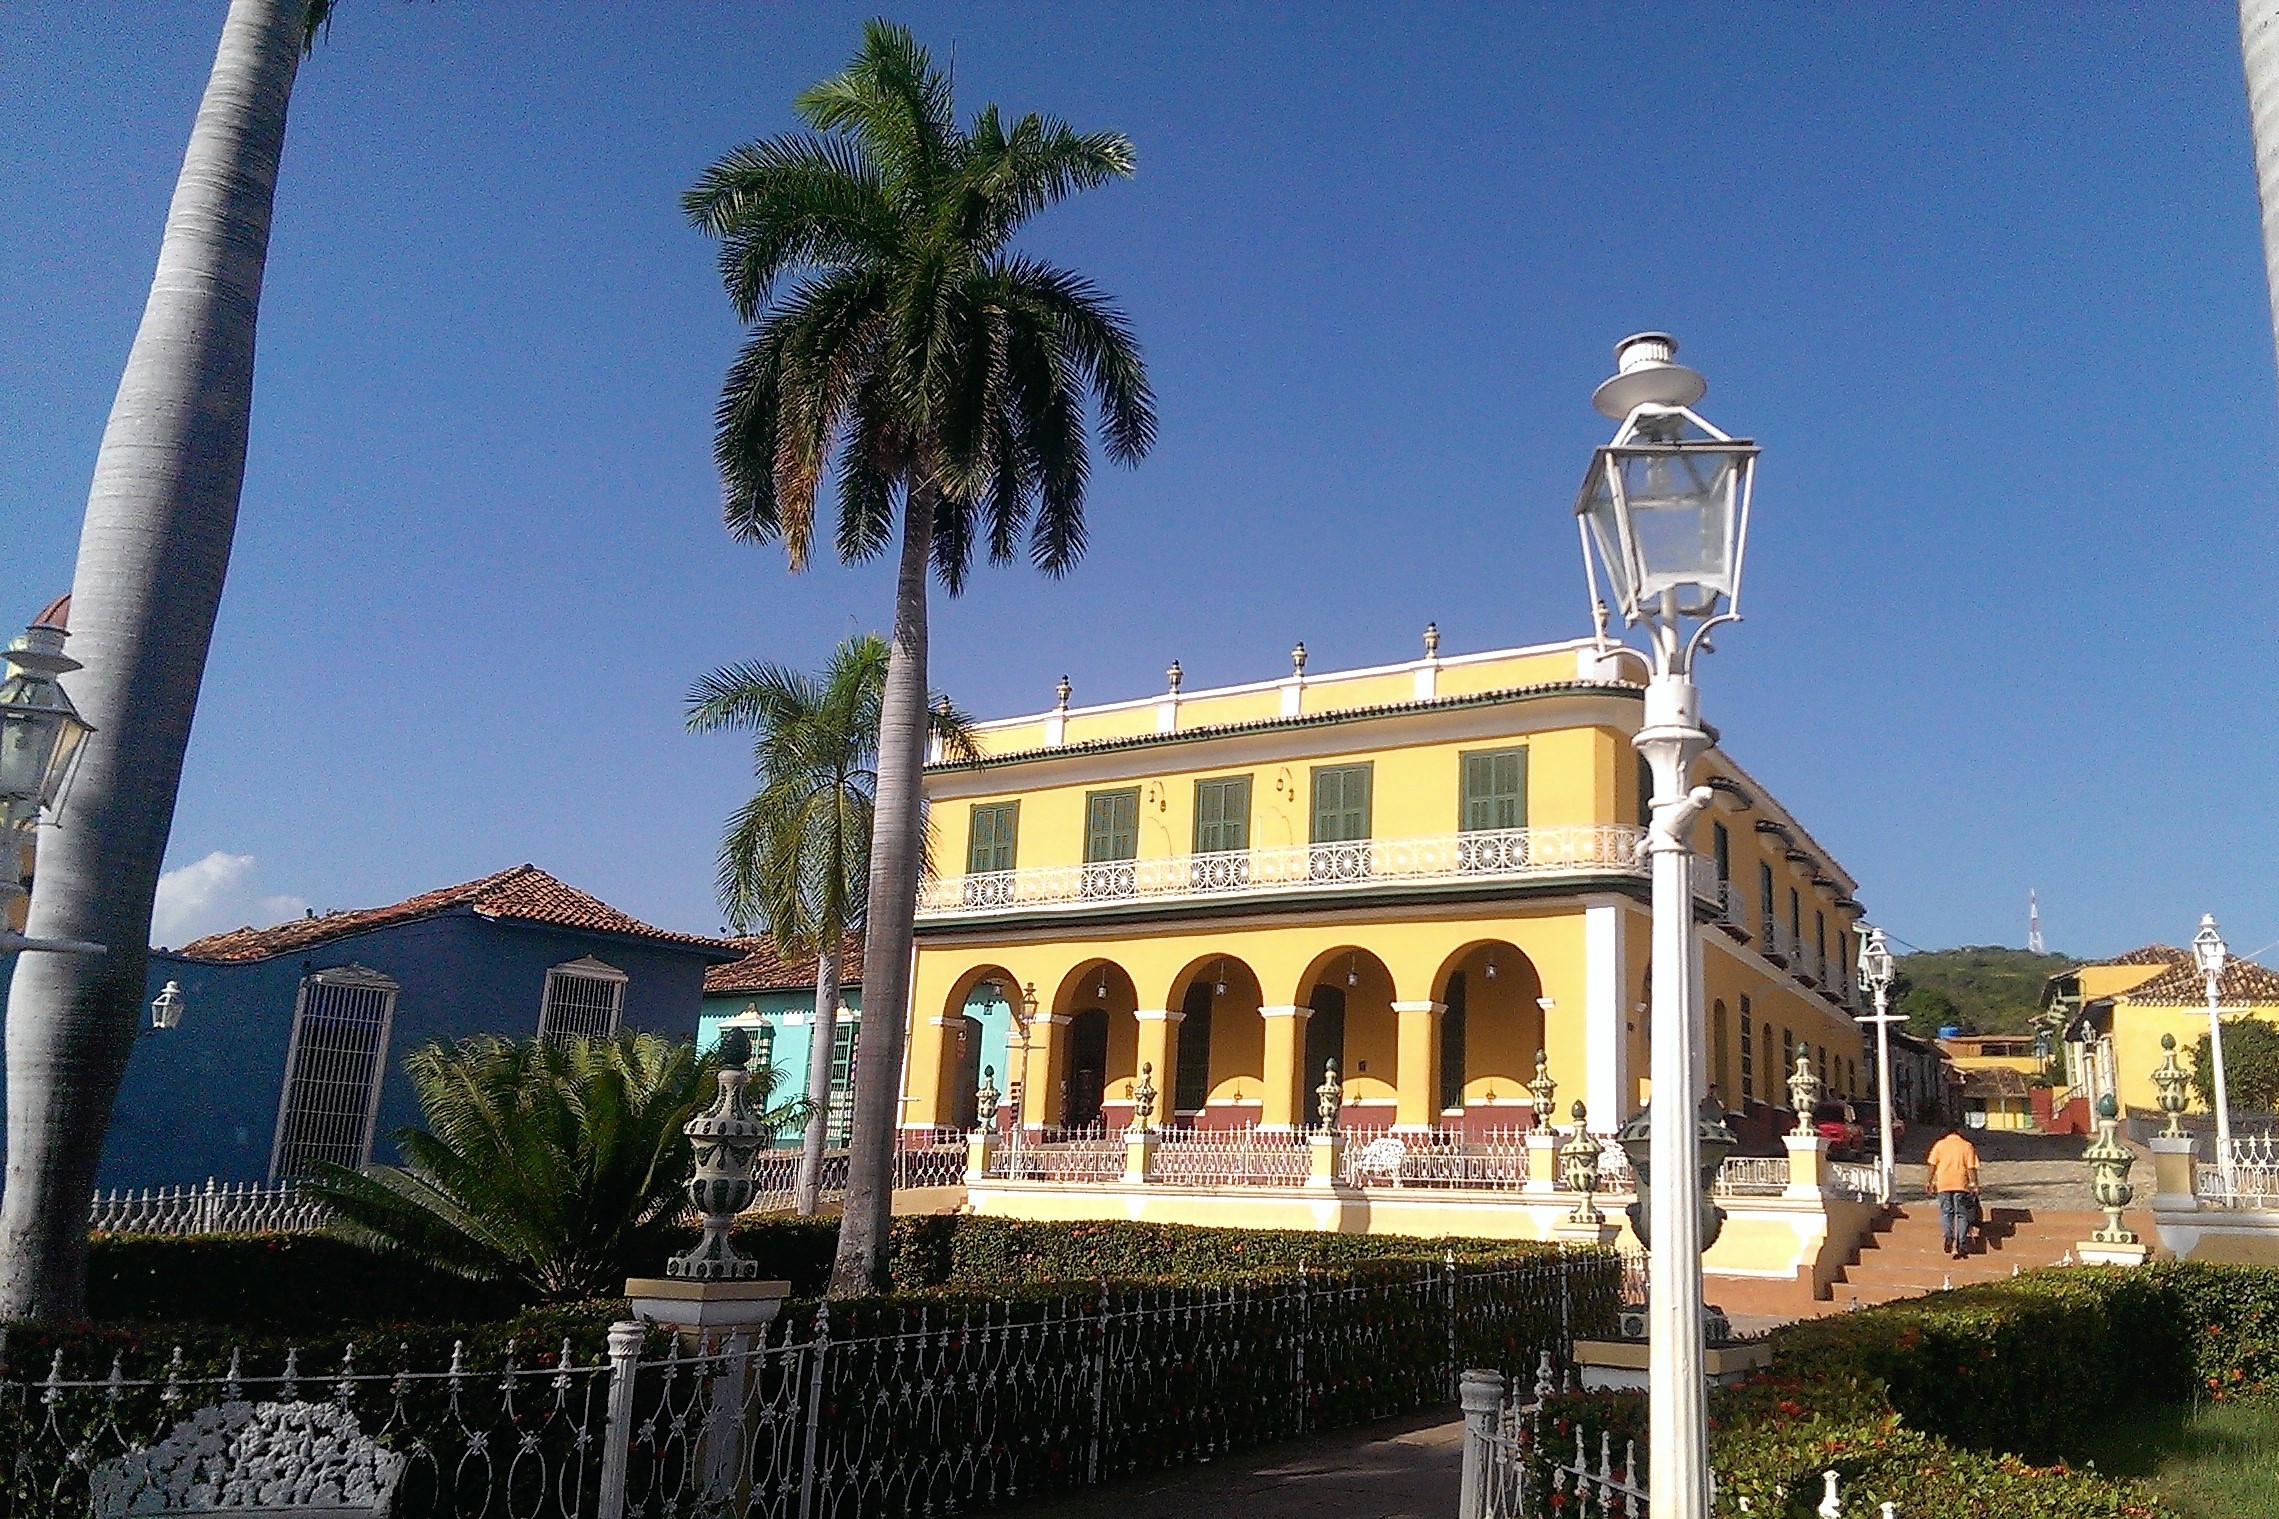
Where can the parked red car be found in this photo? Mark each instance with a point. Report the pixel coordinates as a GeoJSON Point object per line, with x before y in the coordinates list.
{"type": "Point", "coordinates": [1837, 1124]}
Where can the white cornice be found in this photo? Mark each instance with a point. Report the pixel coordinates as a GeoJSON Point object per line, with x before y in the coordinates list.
{"type": "Point", "coordinates": [1461, 719]}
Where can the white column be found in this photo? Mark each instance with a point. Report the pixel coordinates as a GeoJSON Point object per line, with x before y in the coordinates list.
{"type": "Point", "coordinates": [1677, 1405]}
{"type": "Point", "coordinates": [1607, 1086]}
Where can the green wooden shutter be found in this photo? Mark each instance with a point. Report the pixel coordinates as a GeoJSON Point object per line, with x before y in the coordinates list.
{"type": "Point", "coordinates": [1494, 786]}
{"type": "Point", "coordinates": [990, 841]}
{"type": "Point", "coordinates": [1111, 825]}
{"type": "Point", "coordinates": [1222, 814]}
{"type": "Point", "coordinates": [1341, 803]}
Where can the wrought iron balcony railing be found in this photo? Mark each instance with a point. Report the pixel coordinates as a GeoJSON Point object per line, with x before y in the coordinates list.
{"type": "Point", "coordinates": [1512, 854]}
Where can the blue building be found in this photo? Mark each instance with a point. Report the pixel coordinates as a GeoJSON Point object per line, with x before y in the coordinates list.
{"type": "Point", "coordinates": [771, 997]}
{"type": "Point", "coordinates": [290, 1049]}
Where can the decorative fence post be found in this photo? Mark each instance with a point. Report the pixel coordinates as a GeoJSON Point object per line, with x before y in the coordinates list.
{"type": "Point", "coordinates": [1807, 1151]}
{"type": "Point", "coordinates": [1543, 1132]}
{"type": "Point", "coordinates": [981, 1144]}
{"type": "Point", "coordinates": [2175, 1153]}
{"type": "Point", "coordinates": [617, 1439]}
{"type": "Point", "coordinates": [811, 1442]}
{"type": "Point", "coordinates": [2109, 1163]}
{"type": "Point", "coordinates": [1482, 1395]}
{"type": "Point", "coordinates": [1139, 1134]}
{"type": "Point", "coordinates": [1325, 1147]}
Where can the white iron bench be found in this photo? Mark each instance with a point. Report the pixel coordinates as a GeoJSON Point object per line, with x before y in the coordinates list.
{"type": "Point", "coordinates": [245, 1459]}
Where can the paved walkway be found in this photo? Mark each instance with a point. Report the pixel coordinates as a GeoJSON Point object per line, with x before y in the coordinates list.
{"type": "Point", "coordinates": [1403, 1468]}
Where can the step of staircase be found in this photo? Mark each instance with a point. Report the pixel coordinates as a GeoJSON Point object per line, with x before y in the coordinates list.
{"type": "Point", "coordinates": [1903, 1258]}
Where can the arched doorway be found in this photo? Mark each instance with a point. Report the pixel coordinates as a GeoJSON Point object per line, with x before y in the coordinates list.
{"type": "Point", "coordinates": [1192, 1090]}
{"type": "Point", "coordinates": [1087, 1083]}
{"type": "Point", "coordinates": [1490, 1032]}
{"type": "Point", "coordinates": [1325, 1042]}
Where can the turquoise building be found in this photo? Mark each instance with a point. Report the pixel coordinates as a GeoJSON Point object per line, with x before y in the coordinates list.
{"type": "Point", "coordinates": [771, 997]}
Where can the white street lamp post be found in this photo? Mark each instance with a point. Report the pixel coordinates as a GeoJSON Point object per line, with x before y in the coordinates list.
{"type": "Point", "coordinates": [1876, 974]}
{"type": "Point", "coordinates": [40, 735]}
{"type": "Point", "coordinates": [2208, 949]}
{"type": "Point", "coordinates": [1666, 508]}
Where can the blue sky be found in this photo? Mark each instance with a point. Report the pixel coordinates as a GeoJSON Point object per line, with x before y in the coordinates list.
{"type": "Point", "coordinates": [1984, 282]}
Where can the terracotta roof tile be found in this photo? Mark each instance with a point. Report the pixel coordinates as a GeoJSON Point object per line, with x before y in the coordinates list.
{"type": "Point", "coordinates": [2243, 983]}
{"type": "Point", "coordinates": [766, 969]}
{"type": "Point", "coordinates": [2150, 954]}
{"type": "Point", "coordinates": [524, 894]}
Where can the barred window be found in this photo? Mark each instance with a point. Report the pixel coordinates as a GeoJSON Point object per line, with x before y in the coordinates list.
{"type": "Point", "coordinates": [1748, 1057]}
{"type": "Point", "coordinates": [583, 1000]}
{"type": "Point", "coordinates": [333, 1068]}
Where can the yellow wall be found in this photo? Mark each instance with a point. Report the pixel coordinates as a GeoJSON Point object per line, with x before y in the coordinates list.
{"type": "Point", "coordinates": [2136, 1044]}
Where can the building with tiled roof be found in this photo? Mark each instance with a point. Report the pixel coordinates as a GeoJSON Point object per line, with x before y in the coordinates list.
{"type": "Point", "coordinates": [2114, 1011]}
{"type": "Point", "coordinates": [291, 1043]}
{"type": "Point", "coordinates": [523, 894]}
{"type": "Point", "coordinates": [771, 996]}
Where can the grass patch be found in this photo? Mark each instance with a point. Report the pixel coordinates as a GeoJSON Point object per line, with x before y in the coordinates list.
{"type": "Point", "coordinates": [2208, 1460]}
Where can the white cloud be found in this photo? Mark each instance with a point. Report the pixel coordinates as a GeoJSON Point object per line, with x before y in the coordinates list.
{"type": "Point", "coordinates": [219, 892]}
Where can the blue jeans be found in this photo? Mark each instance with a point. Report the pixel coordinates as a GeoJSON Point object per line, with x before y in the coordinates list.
{"type": "Point", "coordinates": [1955, 1211]}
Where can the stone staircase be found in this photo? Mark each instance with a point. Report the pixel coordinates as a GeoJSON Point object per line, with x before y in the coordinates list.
{"type": "Point", "coordinates": [1902, 1258]}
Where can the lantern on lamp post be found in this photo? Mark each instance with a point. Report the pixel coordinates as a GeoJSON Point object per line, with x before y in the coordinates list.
{"type": "Point", "coordinates": [1877, 972]}
{"type": "Point", "coordinates": [2209, 951]}
{"type": "Point", "coordinates": [166, 1008]}
{"type": "Point", "coordinates": [41, 735]}
{"type": "Point", "coordinates": [1664, 511]}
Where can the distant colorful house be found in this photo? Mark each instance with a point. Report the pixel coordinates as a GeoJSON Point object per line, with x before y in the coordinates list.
{"type": "Point", "coordinates": [290, 1049]}
{"type": "Point", "coordinates": [2114, 1011]}
{"type": "Point", "coordinates": [771, 996]}
{"type": "Point", "coordinates": [1997, 1073]}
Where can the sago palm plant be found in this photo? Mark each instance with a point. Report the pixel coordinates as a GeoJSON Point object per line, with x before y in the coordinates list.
{"type": "Point", "coordinates": [796, 857]}
{"type": "Point", "coordinates": [557, 1165]}
{"type": "Point", "coordinates": [895, 329]}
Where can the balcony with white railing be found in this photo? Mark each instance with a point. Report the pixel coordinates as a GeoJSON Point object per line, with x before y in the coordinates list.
{"type": "Point", "coordinates": [1504, 855]}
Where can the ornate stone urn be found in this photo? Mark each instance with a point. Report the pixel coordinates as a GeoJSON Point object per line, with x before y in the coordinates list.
{"type": "Point", "coordinates": [2109, 1163]}
{"type": "Point", "coordinates": [1804, 1093]}
{"type": "Point", "coordinates": [726, 1137]}
{"type": "Point", "coordinates": [1578, 1166]}
{"type": "Point", "coordinates": [2170, 1079]}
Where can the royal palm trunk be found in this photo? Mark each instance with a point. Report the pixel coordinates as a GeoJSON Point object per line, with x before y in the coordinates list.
{"type": "Point", "coordinates": [2259, 52]}
{"type": "Point", "coordinates": [822, 1044]}
{"type": "Point", "coordinates": [153, 553]}
{"type": "Point", "coordinates": [894, 859]}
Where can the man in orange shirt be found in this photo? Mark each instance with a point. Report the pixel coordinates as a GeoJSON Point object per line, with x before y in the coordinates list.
{"type": "Point", "coordinates": [1954, 1176]}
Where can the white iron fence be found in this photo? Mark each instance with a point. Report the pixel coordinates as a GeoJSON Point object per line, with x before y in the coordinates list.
{"type": "Point", "coordinates": [939, 1164]}
{"type": "Point", "coordinates": [1523, 1462]}
{"type": "Point", "coordinates": [888, 1410]}
{"type": "Point", "coordinates": [243, 1207]}
{"type": "Point", "coordinates": [226, 1207]}
{"type": "Point", "coordinates": [2249, 1181]}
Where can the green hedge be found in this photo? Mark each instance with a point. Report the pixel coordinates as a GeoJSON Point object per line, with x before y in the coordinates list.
{"type": "Point", "coordinates": [302, 1283]}
{"type": "Point", "coordinates": [1975, 1401]}
{"type": "Point", "coordinates": [275, 1282]}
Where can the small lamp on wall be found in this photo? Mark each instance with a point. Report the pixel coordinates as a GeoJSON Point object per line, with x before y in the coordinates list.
{"type": "Point", "coordinates": [166, 1008]}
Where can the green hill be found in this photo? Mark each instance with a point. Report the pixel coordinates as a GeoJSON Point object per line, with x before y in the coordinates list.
{"type": "Point", "coordinates": [1982, 987]}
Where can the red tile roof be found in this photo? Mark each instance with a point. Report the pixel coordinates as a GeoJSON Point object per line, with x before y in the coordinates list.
{"type": "Point", "coordinates": [766, 969]}
{"type": "Point", "coordinates": [524, 894]}
{"type": "Point", "coordinates": [2243, 983]}
{"type": "Point", "coordinates": [2150, 954]}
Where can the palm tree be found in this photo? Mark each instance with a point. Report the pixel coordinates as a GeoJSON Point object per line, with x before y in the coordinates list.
{"type": "Point", "coordinates": [894, 327]}
{"type": "Point", "coordinates": [796, 857]}
{"type": "Point", "coordinates": [153, 553]}
{"type": "Point", "coordinates": [557, 1165]}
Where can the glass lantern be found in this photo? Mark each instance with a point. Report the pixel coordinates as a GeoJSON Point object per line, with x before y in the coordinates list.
{"type": "Point", "coordinates": [2208, 947]}
{"type": "Point", "coordinates": [40, 731]}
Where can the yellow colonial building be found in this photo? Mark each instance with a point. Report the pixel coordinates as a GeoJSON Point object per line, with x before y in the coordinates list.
{"type": "Point", "coordinates": [2113, 1013]}
{"type": "Point", "coordinates": [1425, 872]}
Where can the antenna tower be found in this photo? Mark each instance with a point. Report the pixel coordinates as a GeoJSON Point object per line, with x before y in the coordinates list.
{"type": "Point", "coordinates": [2034, 944]}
